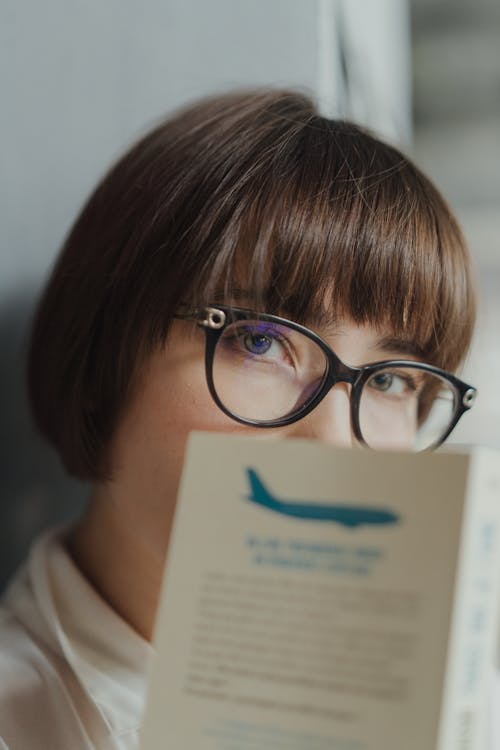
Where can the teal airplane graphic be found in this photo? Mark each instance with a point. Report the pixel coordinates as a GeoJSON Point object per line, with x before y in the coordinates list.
{"type": "Point", "coordinates": [345, 515]}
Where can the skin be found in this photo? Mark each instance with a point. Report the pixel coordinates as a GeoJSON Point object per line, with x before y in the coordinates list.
{"type": "Point", "coordinates": [121, 543]}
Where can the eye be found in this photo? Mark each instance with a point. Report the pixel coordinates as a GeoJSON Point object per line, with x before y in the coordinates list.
{"type": "Point", "coordinates": [389, 382]}
{"type": "Point", "coordinates": [261, 343]}
{"type": "Point", "coordinates": [268, 343]}
{"type": "Point", "coordinates": [257, 343]}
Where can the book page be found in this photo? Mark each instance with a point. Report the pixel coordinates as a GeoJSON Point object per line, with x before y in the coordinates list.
{"type": "Point", "coordinates": [307, 598]}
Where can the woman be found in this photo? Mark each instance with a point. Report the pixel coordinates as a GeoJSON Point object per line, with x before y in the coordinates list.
{"type": "Point", "coordinates": [239, 214]}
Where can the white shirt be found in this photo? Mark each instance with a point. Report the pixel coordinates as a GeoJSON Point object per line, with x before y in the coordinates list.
{"type": "Point", "coordinates": [72, 673]}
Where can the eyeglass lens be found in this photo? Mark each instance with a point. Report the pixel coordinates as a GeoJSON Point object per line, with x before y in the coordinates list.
{"type": "Point", "coordinates": [265, 371]}
{"type": "Point", "coordinates": [405, 408]}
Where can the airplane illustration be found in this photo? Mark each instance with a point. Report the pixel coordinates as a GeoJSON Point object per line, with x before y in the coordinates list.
{"type": "Point", "coordinates": [345, 515]}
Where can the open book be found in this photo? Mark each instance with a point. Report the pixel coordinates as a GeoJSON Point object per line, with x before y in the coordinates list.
{"type": "Point", "coordinates": [321, 599]}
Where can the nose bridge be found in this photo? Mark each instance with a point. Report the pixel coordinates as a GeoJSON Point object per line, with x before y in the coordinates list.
{"type": "Point", "coordinates": [330, 421]}
{"type": "Point", "coordinates": [339, 372]}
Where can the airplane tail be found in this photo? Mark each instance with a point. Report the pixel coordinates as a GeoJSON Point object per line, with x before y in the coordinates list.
{"type": "Point", "coordinates": [260, 494]}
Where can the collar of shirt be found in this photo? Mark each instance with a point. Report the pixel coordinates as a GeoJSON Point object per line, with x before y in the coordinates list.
{"type": "Point", "coordinates": [63, 611]}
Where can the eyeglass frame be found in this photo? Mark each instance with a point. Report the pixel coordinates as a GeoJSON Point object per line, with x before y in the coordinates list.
{"type": "Point", "coordinates": [213, 319]}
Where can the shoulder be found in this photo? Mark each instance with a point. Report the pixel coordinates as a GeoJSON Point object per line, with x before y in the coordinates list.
{"type": "Point", "coordinates": [72, 674]}
{"type": "Point", "coordinates": [19, 657]}
{"type": "Point", "coordinates": [35, 709]}
{"type": "Point", "coordinates": [25, 679]}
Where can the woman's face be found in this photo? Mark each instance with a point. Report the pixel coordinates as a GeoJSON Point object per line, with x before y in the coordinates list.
{"type": "Point", "coordinates": [172, 399]}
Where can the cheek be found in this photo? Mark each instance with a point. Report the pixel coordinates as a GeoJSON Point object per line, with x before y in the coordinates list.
{"type": "Point", "coordinates": [147, 451]}
{"type": "Point", "coordinates": [149, 446]}
{"type": "Point", "coordinates": [185, 404]}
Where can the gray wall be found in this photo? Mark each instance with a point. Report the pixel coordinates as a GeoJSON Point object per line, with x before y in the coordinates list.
{"type": "Point", "coordinates": [457, 141]}
{"type": "Point", "coordinates": [80, 81]}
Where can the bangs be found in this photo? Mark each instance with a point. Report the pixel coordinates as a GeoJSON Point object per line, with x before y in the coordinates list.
{"type": "Point", "coordinates": [249, 198]}
{"type": "Point", "coordinates": [342, 226]}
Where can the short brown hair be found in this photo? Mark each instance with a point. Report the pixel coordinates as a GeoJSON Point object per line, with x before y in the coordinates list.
{"type": "Point", "coordinates": [253, 186]}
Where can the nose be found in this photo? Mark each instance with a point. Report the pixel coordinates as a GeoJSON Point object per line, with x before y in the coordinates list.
{"type": "Point", "coordinates": [330, 421]}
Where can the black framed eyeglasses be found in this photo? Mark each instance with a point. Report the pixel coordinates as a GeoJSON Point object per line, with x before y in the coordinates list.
{"type": "Point", "coordinates": [267, 371]}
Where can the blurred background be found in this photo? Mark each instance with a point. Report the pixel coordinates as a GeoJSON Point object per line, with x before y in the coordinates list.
{"type": "Point", "coordinates": [81, 81]}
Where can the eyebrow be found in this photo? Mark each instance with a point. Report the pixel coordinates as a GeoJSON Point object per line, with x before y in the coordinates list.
{"type": "Point", "coordinates": [392, 344]}
{"type": "Point", "coordinates": [399, 345]}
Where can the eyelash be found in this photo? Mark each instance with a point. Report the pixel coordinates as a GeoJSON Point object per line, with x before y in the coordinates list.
{"type": "Point", "coordinates": [414, 383]}
{"type": "Point", "coordinates": [273, 335]}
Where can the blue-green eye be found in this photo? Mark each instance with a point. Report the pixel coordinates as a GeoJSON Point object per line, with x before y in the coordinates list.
{"type": "Point", "coordinates": [393, 383]}
{"type": "Point", "coordinates": [383, 381]}
{"type": "Point", "coordinates": [257, 343]}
